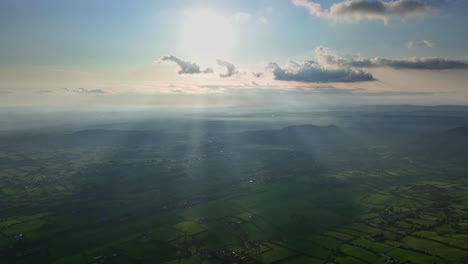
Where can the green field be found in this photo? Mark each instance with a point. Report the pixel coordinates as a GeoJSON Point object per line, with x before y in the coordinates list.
{"type": "Point", "coordinates": [248, 204]}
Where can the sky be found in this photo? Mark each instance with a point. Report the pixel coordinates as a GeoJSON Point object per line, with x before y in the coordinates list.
{"type": "Point", "coordinates": [63, 53]}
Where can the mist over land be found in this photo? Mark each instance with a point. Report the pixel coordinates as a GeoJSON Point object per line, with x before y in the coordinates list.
{"type": "Point", "coordinates": [246, 132]}
{"type": "Point", "coordinates": [370, 184]}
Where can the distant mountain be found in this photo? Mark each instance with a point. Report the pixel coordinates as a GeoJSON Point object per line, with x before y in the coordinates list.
{"type": "Point", "coordinates": [452, 138]}
{"type": "Point", "coordinates": [451, 144]}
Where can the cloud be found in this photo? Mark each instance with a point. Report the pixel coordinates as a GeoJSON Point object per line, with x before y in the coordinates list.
{"type": "Point", "coordinates": [86, 91]}
{"type": "Point", "coordinates": [419, 63]}
{"type": "Point", "coordinates": [355, 10]}
{"type": "Point", "coordinates": [186, 67]}
{"type": "Point", "coordinates": [327, 57]}
{"type": "Point", "coordinates": [230, 68]}
{"type": "Point", "coordinates": [257, 74]}
{"type": "Point", "coordinates": [91, 91]}
{"type": "Point", "coordinates": [312, 72]}
{"type": "Point", "coordinates": [421, 43]}
{"type": "Point", "coordinates": [331, 67]}
{"type": "Point", "coordinates": [5, 92]}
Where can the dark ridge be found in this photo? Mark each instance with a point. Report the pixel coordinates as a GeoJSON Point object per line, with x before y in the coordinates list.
{"type": "Point", "coordinates": [304, 135]}
{"type": "Point", "coordinates": [458, 131]}
{"type": "Point", "coordinates": [93, 137]}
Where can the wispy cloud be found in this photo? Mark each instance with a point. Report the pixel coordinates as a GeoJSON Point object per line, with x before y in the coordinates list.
{"type": "Point", "coordinates": [416, 63]}
{"type": "Point", "coordinates": [333, 90]}
{"type": "Point", "coordinates": [327, 57]}
{"type": "Point", "coordinates": [86, 90]}
{"type": "Point", "coordinates": [45, 92]}
{"type": "Point", "coordinates": [355, 10]}
{"type": "Point", "coordinates": [421, 43]}
{"type": "Point", "coordinates": [400, 93]}
{"type": "Point", "coordinates": [319, 90]}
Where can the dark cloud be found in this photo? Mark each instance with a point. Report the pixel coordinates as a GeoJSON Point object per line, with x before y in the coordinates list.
{"type": "Point", "coordinates": [312, 72]}
{"type": "Point", "coordinates": [328, 57]}
{"type": "Point", "coordinates": [230, 68]}
{"type": "Point", "coordinates": [331, 67]}
{"type": "Point", "coordinates": [91, 91]}
{"type": "Point", "coordinates": [354, 10]}
{"type": "Point", "coordinates": [419, 63]}
{"type": "Point", "coordinates": [186, 67]}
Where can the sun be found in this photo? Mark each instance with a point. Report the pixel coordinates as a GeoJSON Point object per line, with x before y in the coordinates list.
{"type": "Point", "coordinates": [207, 36]}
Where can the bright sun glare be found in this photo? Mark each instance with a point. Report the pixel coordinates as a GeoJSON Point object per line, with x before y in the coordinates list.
{"type": "Point", "coordinates": [207, 36]}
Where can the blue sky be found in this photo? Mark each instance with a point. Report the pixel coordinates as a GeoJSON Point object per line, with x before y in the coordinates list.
{"type": "Point", "coordinates": [111, 52]}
